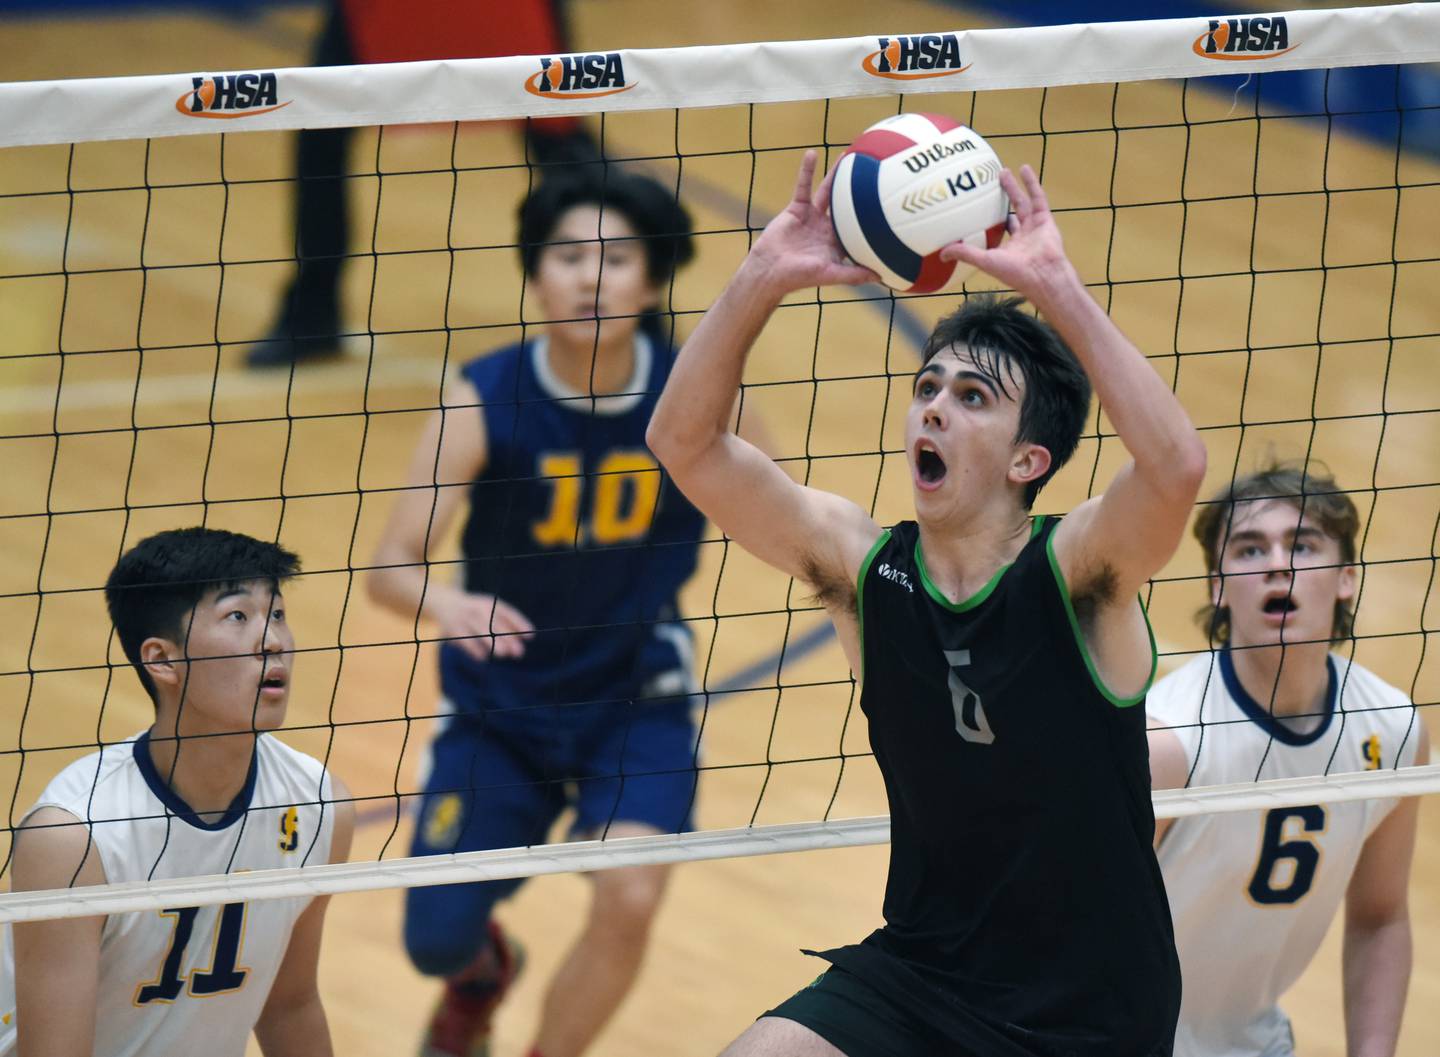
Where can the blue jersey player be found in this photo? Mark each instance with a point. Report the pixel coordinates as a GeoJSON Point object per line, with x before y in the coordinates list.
{"type": "Point", "coordinates": [563, 661]}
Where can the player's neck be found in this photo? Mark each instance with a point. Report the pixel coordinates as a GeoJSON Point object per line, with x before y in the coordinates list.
{"type": "Point", "coordinates": [588, 367]}
{"type": "Point", "coordinates": [1286, 681]}
{"type": "Point", "coordinates": [207, 773]}
{"type": "Point", "coordinates": [962, 558]}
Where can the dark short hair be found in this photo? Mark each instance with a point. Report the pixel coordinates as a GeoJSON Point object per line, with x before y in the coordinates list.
{"type": "Point", "coordinates": [158, 582]}
{"type": "Point", "coordinates": [1312, 492]}
{"type": "Point", "coordinates": [1005, 340]}
{"type": "Point", "coordinates": [652, 210]}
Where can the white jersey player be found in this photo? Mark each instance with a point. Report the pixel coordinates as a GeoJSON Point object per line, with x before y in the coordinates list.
{"type": "Point", "coordinates": [1253, 893]}
{"type": "Point", "coordinates": [203, 791]}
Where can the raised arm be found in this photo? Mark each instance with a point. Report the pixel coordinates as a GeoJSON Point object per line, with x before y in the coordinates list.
{"type": "Point", "coordinates": [1131, 531]}
{"type": "Point", "coordinates": [816, 536]}
{"type": "Point", "coordinates": [57, 963]}
{"type": "Point", "coordinates": [449, 456]}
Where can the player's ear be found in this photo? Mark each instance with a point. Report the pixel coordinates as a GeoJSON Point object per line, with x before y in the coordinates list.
{"type": "Point", "coordinates": [159, 657]}
{"type": "Point", "coordinates": [1030, 463]}
{"type": "Point", "coordinates": [1349, 581]}
{"type": "Point", "coordinates": [1217, 588]}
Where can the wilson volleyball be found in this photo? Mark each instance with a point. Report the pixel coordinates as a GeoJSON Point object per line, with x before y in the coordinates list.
{"type": "Point", "coordinates": [909, 185]}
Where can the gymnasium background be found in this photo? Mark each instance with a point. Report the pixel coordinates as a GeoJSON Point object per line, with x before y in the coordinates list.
{"type": "Point", "coordinates": [726, 943]}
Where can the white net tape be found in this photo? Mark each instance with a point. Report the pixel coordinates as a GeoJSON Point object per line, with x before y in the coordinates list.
{"type": "Point", "coordinates": [583, 856]}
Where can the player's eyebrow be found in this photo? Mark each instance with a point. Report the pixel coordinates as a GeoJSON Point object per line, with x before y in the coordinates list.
{"type": "Point", "coordinates": [1245, 536]}
{"type": "Point", "coordinates": [238, 589]}
{"type": "Point", "coordinates": [977, 376]}
{"type": "Point", "coordinates": [929, 368]}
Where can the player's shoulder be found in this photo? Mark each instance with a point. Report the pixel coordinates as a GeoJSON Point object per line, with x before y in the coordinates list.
{"type": "Point", "coordinates": [54, 848]}
{"type": "Point", "coordinates": [490, 368]}
{"type": "Point", "coordinates": [1361, 690]}
{"type": "Point", "coordinates": [1180, 696]}
{"type": "Point", "coordinates": [283, 760]}
{"type": "Point", "coordinates": [85, 787]}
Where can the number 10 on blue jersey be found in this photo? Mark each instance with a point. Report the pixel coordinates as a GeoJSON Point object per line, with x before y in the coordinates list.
{"type": "Point", "coordinates": [626, 486]}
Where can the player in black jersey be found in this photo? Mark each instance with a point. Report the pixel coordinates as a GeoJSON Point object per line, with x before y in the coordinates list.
{"type": "Point", "coordinates": [1002, 656]}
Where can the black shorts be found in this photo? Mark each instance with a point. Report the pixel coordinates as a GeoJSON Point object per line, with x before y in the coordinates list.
{"type": "Point", "coordinates": [858, 1020]}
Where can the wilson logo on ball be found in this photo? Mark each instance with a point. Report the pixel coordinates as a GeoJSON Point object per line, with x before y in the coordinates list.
{"type": "Point", "coordinates": [231, 95]}
{"type": "Point", "coordinates": [1261, 37]}
{"type": "Point", "coordinates": [921, 160]}
{"type": "Point", "coordinates": [579, 76]}
{"type": "Point", "coordinates": [913, 57]}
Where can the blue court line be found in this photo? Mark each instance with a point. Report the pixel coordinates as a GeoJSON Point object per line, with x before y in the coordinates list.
{"type": "Point", "coordinates": [764, 674]}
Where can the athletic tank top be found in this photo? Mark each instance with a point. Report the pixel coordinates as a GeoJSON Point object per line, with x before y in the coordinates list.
{"type": "Point", "coordinates": [1253, 892]}
{"type": "Point", "coordinates": [575, 524]}
{"type": "Point", "coordinates": [1024, 910]}
{"type": "Point", "coordinates": [186, 979]}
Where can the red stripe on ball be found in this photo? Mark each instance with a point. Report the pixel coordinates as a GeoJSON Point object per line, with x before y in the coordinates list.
{"type": "Point", "coordinates": [934, 273]}
{"type": "Point", "coordinates": [880, 143]}
{"type": "Point", "coordinates": [993, 234]}
{"type": "Point", "coordinates": [940, 121]}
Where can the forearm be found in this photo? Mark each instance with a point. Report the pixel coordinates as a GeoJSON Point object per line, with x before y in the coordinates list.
{"type": "Point", "coordinates": [1377, 974]}
{"type": "Point", "coordinates": [298, 1030]}
{"type": "Point", "coordinates": [57, 1030]}
{"type": "Point", "coordinates": [697, 405]}
{"type": "Point", "coordinates": [1151, 422]}
{"type": "Point", "coordinates": [407, 585]}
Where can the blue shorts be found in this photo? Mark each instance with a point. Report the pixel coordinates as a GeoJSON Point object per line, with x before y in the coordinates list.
{"type": "Point", "coordinates": [491, 788]}
{"type": "Point", "coordinates": [503, 787]}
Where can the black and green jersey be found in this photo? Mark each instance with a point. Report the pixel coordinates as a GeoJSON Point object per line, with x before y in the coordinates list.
{"type": "Point", "coordinates": [1024, 912]}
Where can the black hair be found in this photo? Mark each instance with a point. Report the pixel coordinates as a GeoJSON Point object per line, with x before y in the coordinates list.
{"type": "Point", "coordinates": [1310, 491]}
{"type": "Point", "coordinates": [652, 210]}
{"type": "Point", "coordinates": [158, 582]}
{"type": "Point", "coordinates": [1005, 340]}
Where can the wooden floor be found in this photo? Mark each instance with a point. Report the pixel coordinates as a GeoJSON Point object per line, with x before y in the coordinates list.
{"type": "Point", "coordinates": [198, 438]}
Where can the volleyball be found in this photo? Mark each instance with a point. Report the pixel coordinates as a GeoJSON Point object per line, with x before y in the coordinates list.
{"type": "Point", "coordinates": [909, 185]}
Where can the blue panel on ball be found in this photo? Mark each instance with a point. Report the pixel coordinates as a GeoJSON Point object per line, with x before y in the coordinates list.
{"type": "Point", "coordinates": [865, 193]}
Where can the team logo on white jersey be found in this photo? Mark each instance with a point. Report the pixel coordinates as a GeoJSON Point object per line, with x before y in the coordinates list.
{"type": "Point", "coordinates": [1371, 752]}
{"type": "Point", "coordinates": [289, 829]}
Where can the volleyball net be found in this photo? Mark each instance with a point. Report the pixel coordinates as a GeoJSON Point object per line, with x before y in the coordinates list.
{"type": "Point", "coordinates": [1255, 199]}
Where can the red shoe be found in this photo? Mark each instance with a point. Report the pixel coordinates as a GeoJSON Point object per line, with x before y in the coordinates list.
{"type": "Point", "coordinates": [460, 1025]}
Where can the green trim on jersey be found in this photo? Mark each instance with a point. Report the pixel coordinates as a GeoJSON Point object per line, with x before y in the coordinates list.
{"type": "Point", "coordinates": [880, 542]}
{"type": "Point", "coordinates": [979, 596]}
{"type": "Point", "coordinates": [1118, 702]}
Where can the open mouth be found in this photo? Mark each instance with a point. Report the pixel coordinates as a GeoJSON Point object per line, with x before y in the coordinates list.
{"type": "Point", "coordinates": [929, 465]}
{"type": "Point", "coordinates": [1280, 604]}
{"type": "Point", "coordinates": [273, 681]}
